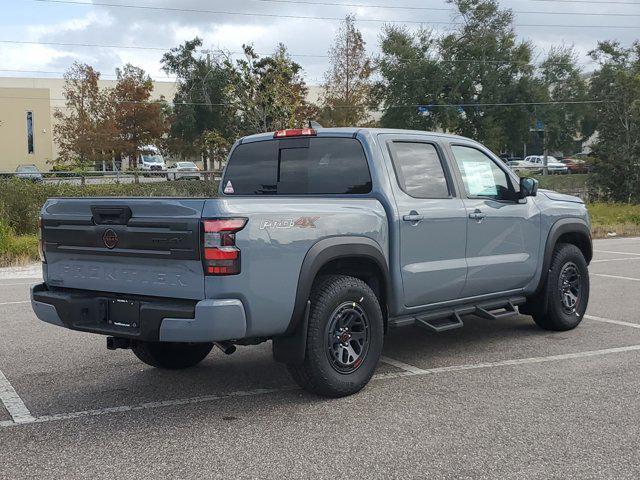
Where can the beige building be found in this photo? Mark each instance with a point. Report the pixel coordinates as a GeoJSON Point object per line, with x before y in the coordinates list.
{"type": "Point", "coordinates": [26, 118]}
{"type": "Point", "coordinates": [25, 128]}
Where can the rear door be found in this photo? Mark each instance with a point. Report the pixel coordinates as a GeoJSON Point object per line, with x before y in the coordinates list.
{"type": "Point", "coordinates": [503, 231]}
{"type": "Point", "coordinates": [432, 221]}
{"type": "Point", "coordinates": [141, 246]}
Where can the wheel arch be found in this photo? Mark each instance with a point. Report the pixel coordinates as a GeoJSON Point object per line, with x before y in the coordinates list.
{"type": "Point", "coordinates": [360, 257]}
{"type": "Point", "coordinates": [567, 230]}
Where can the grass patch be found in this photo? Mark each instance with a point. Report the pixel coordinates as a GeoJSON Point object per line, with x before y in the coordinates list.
{"type": "Point", "coordinates": [619, 218]}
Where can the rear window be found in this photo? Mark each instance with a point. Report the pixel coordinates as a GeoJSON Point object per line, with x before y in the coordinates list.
{"type": "Point", "coordinates": [298, 166]}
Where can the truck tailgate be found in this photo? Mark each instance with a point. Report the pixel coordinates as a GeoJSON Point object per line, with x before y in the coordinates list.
{"type": "Point", "coordinates": [138, 246]}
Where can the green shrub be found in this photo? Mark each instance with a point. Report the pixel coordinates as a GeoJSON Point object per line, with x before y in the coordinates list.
{"type": "Point", "coordinates": [20, 201]}
{"type": "Point", "coordinates": [16, 248]}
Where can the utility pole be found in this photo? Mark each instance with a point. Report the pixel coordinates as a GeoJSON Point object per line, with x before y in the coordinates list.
{"type": "Point", "coordinates": [545, 153]}
{"type": "Point", "coordinates": [541, 127]}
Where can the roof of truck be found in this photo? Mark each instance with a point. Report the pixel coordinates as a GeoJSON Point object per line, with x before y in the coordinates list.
{"type": "Point", "coordinates": [351, 131]}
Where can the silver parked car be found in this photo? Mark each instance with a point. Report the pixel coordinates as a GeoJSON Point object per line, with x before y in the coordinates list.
{"type": "Point", "coordinates": [29, 172]}
{"type": "Point", "coordinates": [183, 171]}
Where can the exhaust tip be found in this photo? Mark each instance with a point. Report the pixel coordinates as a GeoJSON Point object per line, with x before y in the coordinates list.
{"type": "Point", "coordinates": [227, 347]}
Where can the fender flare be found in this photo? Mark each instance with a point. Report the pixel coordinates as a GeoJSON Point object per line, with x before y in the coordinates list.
{"type": "Point", "coordinates": [291, 346]}
{"type": "Point", "coordinates": [560, 227]}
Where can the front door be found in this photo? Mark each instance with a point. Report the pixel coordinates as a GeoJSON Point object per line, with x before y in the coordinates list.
{"type": "Point", "coordinates": [503, 231]}
{"type": "Point", "coordinates": [432, 223]}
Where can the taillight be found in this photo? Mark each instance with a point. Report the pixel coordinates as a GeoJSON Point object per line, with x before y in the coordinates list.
{"type": "Point", "coordinates": [43, 259]}
{"type": "Point", "coordinates": [295, 132]}
{"type": "Point", "coordinates": [220, 256]}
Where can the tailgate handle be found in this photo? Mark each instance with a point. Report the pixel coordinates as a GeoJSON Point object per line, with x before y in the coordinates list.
{"type": "Point", "coordinates": [111, 215]}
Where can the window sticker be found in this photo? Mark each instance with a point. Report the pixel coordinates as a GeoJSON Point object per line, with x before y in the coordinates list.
{"type": "Point", "coordinates": [479, 178]}
{"type": "Point", "coordinates": [228, 188]}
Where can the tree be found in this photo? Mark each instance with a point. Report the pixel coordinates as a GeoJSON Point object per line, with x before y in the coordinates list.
{"type": "Point", "coordinates": [268, 93]}
{"type": "Point", "coordinates": [347, 88]}
{"type": "Point", "coordinates": [410, 74]}
{"type": "Point", "coordinates": [562, 81]}
{"type": "Point", "coordinates": [201, 103]}
{"type": "Point", "coordinates": [216, 148]}
{"type": "Point", "coordinates": [616, 84]}
{"type": "Point", "coordinates": [85, 129]}
{"type": "Point", "coordinates": [484, 63]}
{"type": "Point", "coordinates": [139, 121]}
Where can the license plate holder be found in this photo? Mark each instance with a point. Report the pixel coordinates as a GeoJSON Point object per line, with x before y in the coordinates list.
{"type": "Point", "coordinates": [123, 313]}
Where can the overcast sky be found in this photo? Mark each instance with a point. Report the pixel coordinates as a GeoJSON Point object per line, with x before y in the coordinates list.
{"type": "Point", "coordinates": [36, 21]}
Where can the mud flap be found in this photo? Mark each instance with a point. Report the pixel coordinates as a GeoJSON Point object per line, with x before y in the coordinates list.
{"type": "Point", "coordinates": [292, 348]}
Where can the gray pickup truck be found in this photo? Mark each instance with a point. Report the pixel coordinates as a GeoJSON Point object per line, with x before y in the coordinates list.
{"type": "Point", "coordinates": [319, 241]}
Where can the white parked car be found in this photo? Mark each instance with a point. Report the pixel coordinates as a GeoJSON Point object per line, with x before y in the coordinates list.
{"type": "Point", "coordinates": [553, 164]}
{"type": "Point", "coordinates": [523, 166]}
{"type": "Point", "coordinates": [183, 171]}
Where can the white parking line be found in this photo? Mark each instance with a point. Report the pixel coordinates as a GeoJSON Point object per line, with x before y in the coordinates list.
{"type": "Point", "coordinates": [615, 276]}
{"type": "Point", "coordinates": [15, 303]}
{"type": "Point", "coordinates": [409, 372]}
{"type": "Point", "coordinates": [615, 260]}
{"type": "Point", "coordinates": [12, 284]}
{"type": "Point", "coordinates": [401, 365]}
{"type": "Point", "coordinates": [619, 253]}
{"type": "Point", "coordinates": [13, 403]}
{"type": "Point", "coordinates": [517, 361]}
{"type": "Point", "coordinates": [614, 322]}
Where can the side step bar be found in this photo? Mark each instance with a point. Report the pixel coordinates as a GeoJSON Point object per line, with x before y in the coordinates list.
{"type": "Point", "coordinates": [509, 310]}
{"type": "Point", "coordinates": [441, 324]}
{"type": "Point", "coordinates": [451, 318]}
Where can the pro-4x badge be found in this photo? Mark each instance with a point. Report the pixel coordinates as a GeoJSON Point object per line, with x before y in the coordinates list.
{"type": "Point", "coordinates": [228, 188]}
{"type": "Point", "coordinates": [306, 222]}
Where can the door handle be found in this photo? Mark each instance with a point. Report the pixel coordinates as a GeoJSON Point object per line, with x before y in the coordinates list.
{"type": "Point", "coordinates": [413, 217]}
{"type": "Point", "coordinates": [477, 215]}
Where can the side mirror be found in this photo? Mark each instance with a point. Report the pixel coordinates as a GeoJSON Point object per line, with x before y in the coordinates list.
{"type": "Point", "coordinates": [528, 187]}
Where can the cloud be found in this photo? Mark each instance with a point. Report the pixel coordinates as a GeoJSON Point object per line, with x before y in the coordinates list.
{"type": "Point", "coordinates": [166, 29]}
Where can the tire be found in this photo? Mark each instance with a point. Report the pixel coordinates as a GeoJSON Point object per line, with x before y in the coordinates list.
{"type": "Point", "coordinates": [568, 277]}
{"type": "Point", "coordinates": [331, 367]}
{"type": "Point", "coordinates": [171, 356]}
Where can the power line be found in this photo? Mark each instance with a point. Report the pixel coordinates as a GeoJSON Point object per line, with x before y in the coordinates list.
{"type": "Point", "coordinates": [448, 105]}
{"type": "Point", "coordinates": [59, 72]}
{"type": "Point", "coordinates": [412, 7]}
{"type": "Point", "coordinates": [359, 5]}
{"type": "Point", "coordinates": [606, 2]}
{"type": "Point", "coordinates": [301, 55]}
{"type": "Point", "coordinates": [308, 17]}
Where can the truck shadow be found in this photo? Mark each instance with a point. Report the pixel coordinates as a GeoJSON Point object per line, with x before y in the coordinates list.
{"type": "Point", "coordinates": [254, 368]}
{"type": "Point", "coordinates": [251, 371]}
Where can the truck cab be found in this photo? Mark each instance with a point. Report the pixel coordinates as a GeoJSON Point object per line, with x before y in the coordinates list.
{"type": "Point", "coordinates": [320, 241]}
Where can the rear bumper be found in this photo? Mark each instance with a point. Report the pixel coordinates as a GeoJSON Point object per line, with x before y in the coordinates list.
{"type": "Point", "coordinates": [159, 319]}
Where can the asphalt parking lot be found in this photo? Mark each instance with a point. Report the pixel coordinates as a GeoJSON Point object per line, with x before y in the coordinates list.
{"type": "Point", "coordinates": [499, 399]}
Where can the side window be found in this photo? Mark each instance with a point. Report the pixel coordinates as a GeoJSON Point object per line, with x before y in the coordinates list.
{"type": "Point", "coordinates": [30, 148]}
{"type": "Point", "coordinates": [326, 166]}
{"type": "Point", "coordinates": [480, 174]}
{"type": "Point", "coordinates": [419, 170]}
